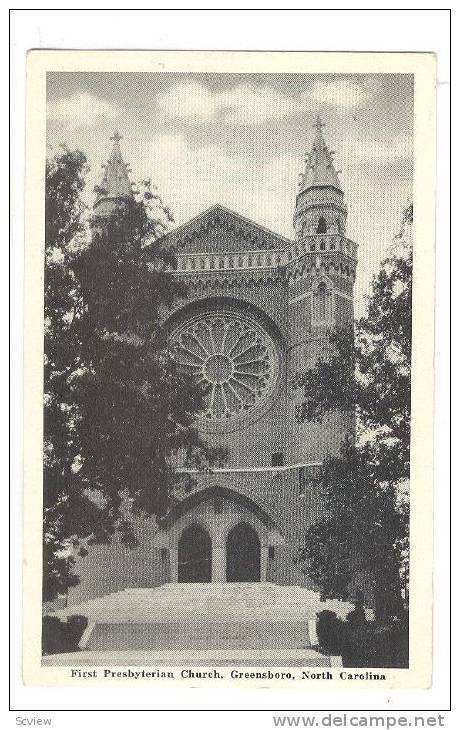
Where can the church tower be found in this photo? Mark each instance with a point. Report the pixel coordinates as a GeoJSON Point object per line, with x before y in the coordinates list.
{"type": "Point", "coordinates": [320, 274]}
{"type": "Point", "coordinates": [115, 188]}
{"type": "Point", "coordinates": [319, 204]}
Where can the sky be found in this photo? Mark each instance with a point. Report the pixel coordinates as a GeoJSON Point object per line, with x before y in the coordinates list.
{"type": "Point", "coordinates": [241, 139]}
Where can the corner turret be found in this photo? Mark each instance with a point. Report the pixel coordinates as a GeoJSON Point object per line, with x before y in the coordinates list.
{"type": "Point", "coordinates": [320, 204]}
{"type": "Point", "coordinates": [115, 187]}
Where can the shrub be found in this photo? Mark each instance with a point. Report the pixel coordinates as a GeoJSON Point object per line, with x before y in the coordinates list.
{"type": "Point", "coordinates": [376, 644]}
{"type": "Point", "coordinates": [364, 643]}
{"type": "Point", "coordinates": [62, 636]}
{"type": "Point", "coordinates": [330, 630]}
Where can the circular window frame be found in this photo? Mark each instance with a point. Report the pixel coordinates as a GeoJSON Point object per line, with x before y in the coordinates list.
{"type": "Point", "coordinates": [254, 412]}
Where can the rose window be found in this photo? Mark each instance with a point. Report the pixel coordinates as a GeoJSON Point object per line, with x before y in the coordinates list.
{"type": "Point", "coordinates": [232, 357]}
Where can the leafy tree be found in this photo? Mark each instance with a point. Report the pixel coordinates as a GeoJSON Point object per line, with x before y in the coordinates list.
{"type": "Point", "coordinates": [367, 372]}
{"type": "Point", "coordinates": [65, 180]}
{"type": "Point", "coordinates": [117, 408]}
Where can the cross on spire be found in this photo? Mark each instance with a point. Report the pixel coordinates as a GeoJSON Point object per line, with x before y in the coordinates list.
{"type": "Point", "coordinates": [319, 163]}
{"type": "Point", "coordinates": [318, 125]}
{"type": "Point", "coordinates": [115, 184]}
{"type": "Point", "coordinates": [116, 136]}
{"type": "Point", "coordinates": [320, 204]}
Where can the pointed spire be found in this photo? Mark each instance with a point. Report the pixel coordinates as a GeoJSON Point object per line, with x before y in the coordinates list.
{"type": "Point", "coordinates": [115, 181]}
{"type": "Point", "coordinates": [319, 163]}
{"type": "Point", "coordinates": [318, 125]}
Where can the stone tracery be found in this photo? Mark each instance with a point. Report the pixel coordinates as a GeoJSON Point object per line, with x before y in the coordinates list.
{"type": "Point", "coordinates": [232, 356]}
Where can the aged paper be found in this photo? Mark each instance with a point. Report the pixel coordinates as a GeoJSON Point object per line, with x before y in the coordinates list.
{"type": "Point", "coordinates": [258, 219]}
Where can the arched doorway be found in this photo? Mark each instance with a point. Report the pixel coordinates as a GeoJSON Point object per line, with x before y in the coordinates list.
{"type": "Point", "coordinates": [243, 555]}
{"type": "Point", "coordinates": [194, 556]}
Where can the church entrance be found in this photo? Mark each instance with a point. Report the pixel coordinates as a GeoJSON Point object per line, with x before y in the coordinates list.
{"type": "Point", "coordinates": [194, 556]}
{"type": "Point", "coordinates": [243, 555]}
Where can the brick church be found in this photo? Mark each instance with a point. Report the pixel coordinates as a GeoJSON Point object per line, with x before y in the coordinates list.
{"type": "Point", "coordinates": [258, 312]}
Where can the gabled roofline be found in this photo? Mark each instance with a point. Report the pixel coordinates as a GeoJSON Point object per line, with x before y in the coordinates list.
{"type": "Point", "coordinates": [219, 207]}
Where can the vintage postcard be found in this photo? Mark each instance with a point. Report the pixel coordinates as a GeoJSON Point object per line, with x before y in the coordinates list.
{"type": "Point", "coordinates": [228, 369]}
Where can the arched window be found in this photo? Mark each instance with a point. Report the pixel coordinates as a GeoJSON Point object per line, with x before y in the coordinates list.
{"type": "Point", "coordinates": [321, 302]}
{"type": "Point", "coordinates": [322, 227]}
{"type": "Point", "coordinates": [322, 313]}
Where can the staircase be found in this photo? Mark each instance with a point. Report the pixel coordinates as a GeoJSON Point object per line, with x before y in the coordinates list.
{"type": "Point", "coordinates": [229, 619]}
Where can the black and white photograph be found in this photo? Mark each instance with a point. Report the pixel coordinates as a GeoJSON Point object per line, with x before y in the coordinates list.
{"type": "Point", "coordinates": [227, 311]}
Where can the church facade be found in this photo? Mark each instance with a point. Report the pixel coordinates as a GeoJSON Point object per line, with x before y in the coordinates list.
{"type": "Point", "coordinates": [258, 312]}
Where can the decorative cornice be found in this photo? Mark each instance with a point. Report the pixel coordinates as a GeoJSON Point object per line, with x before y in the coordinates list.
{"type": "Point", "coordinates": [318, 265]}
{"type": "Point", "coordinates": [309, 293]}
{"type": "Point", "coordinates": [201, 280]}
{"type": "Point", "coordinates": [216, 262]}
{"type": "Point", "coordinates": [250, 469]}
{"type": "Point", "coordinates": [302, 207]}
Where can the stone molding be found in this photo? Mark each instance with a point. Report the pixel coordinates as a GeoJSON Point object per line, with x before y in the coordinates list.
{"type": "Point", "coordinates": [218, 217]}
{"type": "Point", "coordinates": [249, 469]}
{"type": "Point", "coordinates": [207, 495]}
{"type": "Point", "coordinates": [214, 262]}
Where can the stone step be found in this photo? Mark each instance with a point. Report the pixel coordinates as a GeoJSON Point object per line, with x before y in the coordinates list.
{"type": "Point", "coordinates": [193, 658]}
{"type": "Point", "coordinates": [225, 602]}
{"type": "Point", "coordinates": [198, 636]}
{"type": "Point", "coordinates": [203, 616]}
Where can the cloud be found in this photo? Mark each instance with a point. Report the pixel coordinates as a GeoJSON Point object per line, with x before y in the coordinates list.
{"type": "Point", "coordinates": [247, 105]}
{"type": "Point", "coordinates": [81, 109]}
{"type": "Point", "coordinates": [392, 150]}
{"type": "Point", "coordinates": [241, 104]}
{"type": "Point", "coordinates": [189, 101]}
{"type": "Point", "coordinates": [343, 94]}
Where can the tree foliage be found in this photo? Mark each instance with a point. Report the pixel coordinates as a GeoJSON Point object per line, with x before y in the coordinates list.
{"type": "Point", "coordinates": [117, 408]}
{"type": "Point", "coordinates": [367, 372]}
{"type": "Point", "coordinates": [65, 179]}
